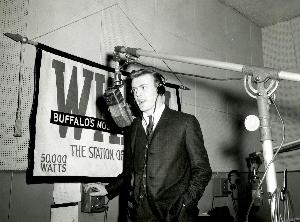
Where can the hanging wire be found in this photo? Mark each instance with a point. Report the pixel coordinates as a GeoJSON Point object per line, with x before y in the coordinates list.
{"type": "Point", "coordinates": [75, 21]}
{"type": "Point", "coordinates": [283, 211]}
{"type": "Point", "coordinates": [290, 205]}
{"type": "Point", "coordinates": [267, 168]}
{"type": "Point", "coordinates": [139, 31]}
{"type": "Point", "coordinates": [10, 194]}
{"type": "Point", "coordinates": [287, 206]}
{"type": "Point", "coordinates": [106, 211]}
{"type": "Point", "coordinates": [170, 70]}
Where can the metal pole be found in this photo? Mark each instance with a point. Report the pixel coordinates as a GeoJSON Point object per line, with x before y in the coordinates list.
{"type": "Point", "coordinates": [209, 63]}
{"type": "Point", "coordinates": [266, 140]}
{"type": "Point", "coordinates": [191, 60]}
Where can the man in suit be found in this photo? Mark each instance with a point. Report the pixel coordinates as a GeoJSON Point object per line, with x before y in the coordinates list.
{"type": "Point", "coordinates": [166, 165]}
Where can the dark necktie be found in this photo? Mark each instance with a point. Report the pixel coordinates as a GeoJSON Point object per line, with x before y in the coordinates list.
{"type": "Point", "coordinates": [149, 126]}
{"type": "Point", "coordinates": [142, 189]}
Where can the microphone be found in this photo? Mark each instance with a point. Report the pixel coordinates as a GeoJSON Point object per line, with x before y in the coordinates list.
{"type": "Point", "coordinates": [117, 106]}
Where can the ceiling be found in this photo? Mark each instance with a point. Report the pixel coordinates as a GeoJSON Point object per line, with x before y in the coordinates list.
{"type": "Point", "coordinates": [266, 12]}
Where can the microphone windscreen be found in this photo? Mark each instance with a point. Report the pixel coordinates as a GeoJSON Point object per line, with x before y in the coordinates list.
{"type": "Point", "coordinates": [118, 108]}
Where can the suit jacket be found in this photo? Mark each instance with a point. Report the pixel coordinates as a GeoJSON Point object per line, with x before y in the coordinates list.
{"type": "Point", "coordinates": [178, 168]}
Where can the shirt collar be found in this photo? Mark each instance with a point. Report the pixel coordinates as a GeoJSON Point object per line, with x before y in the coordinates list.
{"type": "Point", "coordinates": [155, 116]}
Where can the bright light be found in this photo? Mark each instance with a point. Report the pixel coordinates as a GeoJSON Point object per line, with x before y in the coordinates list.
{"type": "Point", "coordinates": [251, 123]}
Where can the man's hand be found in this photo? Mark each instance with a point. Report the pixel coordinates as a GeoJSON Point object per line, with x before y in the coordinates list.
{"type": "Point", "coordinates": [97, 189]}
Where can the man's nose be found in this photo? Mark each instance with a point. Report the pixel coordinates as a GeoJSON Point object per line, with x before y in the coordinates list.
{"type": "Point", "coordinates": [138, 93]}
{"type": "Point", "coordinates": [137, 97]}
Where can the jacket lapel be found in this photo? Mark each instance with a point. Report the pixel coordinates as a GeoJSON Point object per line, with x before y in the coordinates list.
{"type": "Point", "coordinates": [161, 124]}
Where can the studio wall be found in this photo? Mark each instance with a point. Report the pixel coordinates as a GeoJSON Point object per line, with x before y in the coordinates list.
{"type": "Point", "coordinates": [281, 50]}
{"type": "Point", "coordinates": [90, 29]}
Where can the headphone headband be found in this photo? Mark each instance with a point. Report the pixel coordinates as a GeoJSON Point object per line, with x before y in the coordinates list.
{"type": "Point", "coordinates": [156, 75]}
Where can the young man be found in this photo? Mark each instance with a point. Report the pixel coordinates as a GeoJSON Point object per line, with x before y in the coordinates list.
{"type": "Point", "coordinates": [165, 161]}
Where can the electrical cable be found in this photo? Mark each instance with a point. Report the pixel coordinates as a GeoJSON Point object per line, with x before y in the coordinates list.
{"type": "Point", "coordinates": [10, 192]}
{"type": "Point", "coordinates": [148, 43]}
{"type": "Point", "coordinates": [172, 72]}
{"type": "Point", "coordinates": [287, 205]}
{"type": "Point", "coordinates": [291, 205]}
{"type": "Point", "coordinates": [267, 168]}
{"type": "Point", "coordinates": [106, 211]}
{"type": "Point", "coordinates": [70, 23]}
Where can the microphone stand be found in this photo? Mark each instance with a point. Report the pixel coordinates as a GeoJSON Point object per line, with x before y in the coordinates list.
{"type": "Point", "coordinates": [260, 76]}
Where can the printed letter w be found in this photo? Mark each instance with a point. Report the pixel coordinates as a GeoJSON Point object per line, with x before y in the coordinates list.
{"type": "Point", "coordinates": [70, 104]}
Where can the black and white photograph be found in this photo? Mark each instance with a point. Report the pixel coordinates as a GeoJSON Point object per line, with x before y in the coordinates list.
{"type": "Point", "coordinates": [150, 110]}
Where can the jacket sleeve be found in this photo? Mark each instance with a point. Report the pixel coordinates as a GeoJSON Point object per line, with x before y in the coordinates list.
{"type": "Point", "coordinates": [114, 188]}
{"type": "Point", "coordinates": [200, 167]}
{"type": "Point", "coordinates": [122, 181]}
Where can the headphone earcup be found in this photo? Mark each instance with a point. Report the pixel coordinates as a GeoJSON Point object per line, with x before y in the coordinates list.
{"type": "Point", "coordinates": [161, 89]}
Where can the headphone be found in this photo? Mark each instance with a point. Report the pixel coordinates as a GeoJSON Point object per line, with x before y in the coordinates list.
{"type": "Point", "coordinates": [161, 85]}
{"type": "Point", "coordinates": [157, 78]}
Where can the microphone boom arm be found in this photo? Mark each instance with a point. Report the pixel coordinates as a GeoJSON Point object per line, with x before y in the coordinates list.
{"type": "Point", "coordinates": [246, 70]}
{"type": "Point", "coordinates": [259, 75]}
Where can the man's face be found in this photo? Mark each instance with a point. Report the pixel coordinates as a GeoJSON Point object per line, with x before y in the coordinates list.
{"type": "Point", "coordinates": [145, 92]}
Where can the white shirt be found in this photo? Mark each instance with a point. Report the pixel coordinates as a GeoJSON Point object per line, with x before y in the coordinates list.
{"type": "Point", "coordinates": [155, 117]}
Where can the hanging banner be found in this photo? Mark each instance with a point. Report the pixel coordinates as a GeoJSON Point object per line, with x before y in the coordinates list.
{"type": "Point", "coordinates": [71, 136]}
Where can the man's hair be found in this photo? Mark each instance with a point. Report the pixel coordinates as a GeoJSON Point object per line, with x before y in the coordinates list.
{"type": "Point", "coordinates": [158, 78]}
